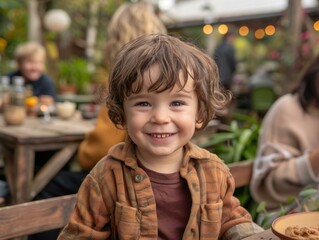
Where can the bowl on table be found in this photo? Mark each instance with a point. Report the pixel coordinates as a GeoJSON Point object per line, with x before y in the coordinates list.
{"type": "Point", "coordinates": [65, 110]}
{"type": "Point", "coordinates": [295, 222]}
{"type": "Point", "coordinates": [14, 115]}
{"type": "Point", "coordinates": [89, 111]}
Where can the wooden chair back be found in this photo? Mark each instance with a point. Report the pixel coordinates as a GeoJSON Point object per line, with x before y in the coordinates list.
{"type": "Point", "coordinates": [36, 216]}
{"type": "Point", "coordinates": [242, 172]}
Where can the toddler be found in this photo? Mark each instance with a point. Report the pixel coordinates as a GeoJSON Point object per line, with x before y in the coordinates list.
{"type": "Point", "coordinates": [158, 185]}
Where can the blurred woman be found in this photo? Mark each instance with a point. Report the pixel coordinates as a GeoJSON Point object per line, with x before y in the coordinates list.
{"type": "Point", "coordinates": [288, 153]}
{"type": "Point", "coordinates": [130, 21]}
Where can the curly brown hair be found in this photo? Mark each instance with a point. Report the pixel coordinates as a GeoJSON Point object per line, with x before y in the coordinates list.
{"type": "Point", "coordinates": [173, 56]}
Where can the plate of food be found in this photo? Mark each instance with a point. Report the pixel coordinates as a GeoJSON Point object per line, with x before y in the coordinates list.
{"type": "Point", "coordinates": [296, 226]}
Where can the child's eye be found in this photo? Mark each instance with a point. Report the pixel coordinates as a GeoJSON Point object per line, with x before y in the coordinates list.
{"type": "Point", "coordinates": [177, 104]}
{"type": "Point", "coordinates": [143, 104]}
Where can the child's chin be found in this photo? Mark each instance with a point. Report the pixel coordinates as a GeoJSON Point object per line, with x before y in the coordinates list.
{"type": "Point", "coordinates": [33, 77]}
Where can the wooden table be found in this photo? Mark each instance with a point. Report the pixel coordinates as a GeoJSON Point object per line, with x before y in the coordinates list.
{"type": "Point", "coordinates": [265, 235]}
{"type": "Point", "coordinates": [19, 144]}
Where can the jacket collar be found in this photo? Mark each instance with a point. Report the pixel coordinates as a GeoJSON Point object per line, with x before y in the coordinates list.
{"type": "Point", "coordinates": [125, 152]}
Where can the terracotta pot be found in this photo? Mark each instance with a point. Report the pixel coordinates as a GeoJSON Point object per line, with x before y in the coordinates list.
{"type": "Point", "coordinates": [68, 89]}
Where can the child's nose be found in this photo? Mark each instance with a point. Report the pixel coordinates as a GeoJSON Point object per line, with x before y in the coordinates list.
{"type": "Point", "coordinates": [160, 115]}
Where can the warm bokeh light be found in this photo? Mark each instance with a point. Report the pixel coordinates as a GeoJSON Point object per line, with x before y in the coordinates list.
{"type": "Point", "coordinates": [208, 29]}
{"type": "Point", "coordinates": [243, 31]}
{"type": "Point", "coordinates": [316, 26]}
{"type": "Point", "coordinates": [259, 33]}
{"type": "Point", "coordinates": [270, 30]}
{"type": "Point", "coordinates": [223, 29]}
{"type": "Point", "coordinates": [43, 108]}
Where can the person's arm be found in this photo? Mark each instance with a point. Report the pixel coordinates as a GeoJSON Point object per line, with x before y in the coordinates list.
{"type": "Point", "coordinates": [90, 217]}
{"type": "Point", "coordinates": [236, 223]}
{"type": "Point", "coordinates": [242, 231]}
{"type": "Point", "coordinates": [98, 142]}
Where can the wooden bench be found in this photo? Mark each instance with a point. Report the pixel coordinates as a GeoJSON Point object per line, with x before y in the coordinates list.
{"type": "Point", "coordinates": [43, 215]}
{"type": "Point", "coordinates": [242, 172]}
{"type": "Point", "coordinates": [37, 216]}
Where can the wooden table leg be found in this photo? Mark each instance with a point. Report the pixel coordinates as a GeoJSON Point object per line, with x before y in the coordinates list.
{"type": "Point", "coordinates": [51, 168]}
{"type": "Point", "coordinates": [9, 171]}
{"type": "Point", "coordinates": [24, 165]}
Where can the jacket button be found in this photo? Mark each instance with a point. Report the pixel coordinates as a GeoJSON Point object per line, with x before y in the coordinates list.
{"type": "Point", "coordinates": [138, 178]}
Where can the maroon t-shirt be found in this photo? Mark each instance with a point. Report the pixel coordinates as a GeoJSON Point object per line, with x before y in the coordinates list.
{"type": "Point", "coordinates": [173, 203]}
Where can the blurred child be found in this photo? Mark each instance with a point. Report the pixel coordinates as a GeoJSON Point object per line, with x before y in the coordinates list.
{"type": "Point", "coordinates": [158, 185]}
{"type": "Point", "coordinates": [30, 58]}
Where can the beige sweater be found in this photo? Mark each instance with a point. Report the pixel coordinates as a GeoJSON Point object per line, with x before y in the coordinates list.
{"type": "Point", "coordinates": [282, 168]}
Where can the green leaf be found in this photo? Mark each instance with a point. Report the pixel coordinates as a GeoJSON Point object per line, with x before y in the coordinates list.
{"type": "Point", "coordinates": [261, 207]}
{"type": "Point", "coordinates": [290, 200]}
{"type": "Point", "coordinates": [234, 126]}
{"type": "Point", "coordinates": [217, 139]}
{"type": "Point", "coordinates": [308, 193]}
{"type": "Point", "coordinates": [244, 138]}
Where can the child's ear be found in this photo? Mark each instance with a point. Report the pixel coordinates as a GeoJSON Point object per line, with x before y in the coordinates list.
{"type": "Point", "coordinates": [198, 124]}
{"type": "Point", "coordinates": [199, 121]}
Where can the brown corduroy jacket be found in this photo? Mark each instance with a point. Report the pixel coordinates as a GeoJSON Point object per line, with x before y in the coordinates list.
{"type": "Point", "coordinates": [116, 200]}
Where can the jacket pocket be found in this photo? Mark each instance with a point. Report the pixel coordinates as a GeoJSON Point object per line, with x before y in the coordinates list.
{"type": "Point", "coordinates": [211, 215]}
{"type": "Point", "coordinates": [127, 220]}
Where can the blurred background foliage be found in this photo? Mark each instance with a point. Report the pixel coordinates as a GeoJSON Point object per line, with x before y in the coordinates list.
{"type": "Point", "coordinates": [14, 23]}
{"type": "Point", "coordinates": [70, 44]}
{"type": "Point", "coordinates": [251, 52]}
{"type": "Point", "coordinates": [13, 28]}
{"type": "Point", "coordinates": [236, 141]}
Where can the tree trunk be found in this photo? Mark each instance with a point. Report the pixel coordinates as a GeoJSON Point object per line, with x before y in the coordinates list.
{"type": "Point", "coordinates": [92, 32]}
{"type": "Point", "coordinates": [295, 20]}
{"type": "Point", "coordinates": [34, 22]}
{"type": "Point", "coordinates": [294, 28]}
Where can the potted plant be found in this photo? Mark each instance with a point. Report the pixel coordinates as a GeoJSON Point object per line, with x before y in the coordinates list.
{"type": "Point", "coordinates": [237, 142]}
{"type": "Point", "coordinates": [73, 76]}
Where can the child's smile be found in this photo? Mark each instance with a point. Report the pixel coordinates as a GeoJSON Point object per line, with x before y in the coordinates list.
{"type": "Point", "coordinates": [161, 135]}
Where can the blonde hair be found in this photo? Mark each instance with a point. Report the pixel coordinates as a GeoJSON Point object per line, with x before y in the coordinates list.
{"type": "Point", "coordinates": [27, 50]}
{"type": "Point", "coordinates": [131, 20]}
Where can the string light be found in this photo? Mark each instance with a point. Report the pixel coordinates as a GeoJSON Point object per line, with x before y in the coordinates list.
{"type": "Point", "coordinates": [316, 26]}
{"type": "Point", "coordinates": [259, 33]}
{"type": "Point", "coordinates": [270, 30]}
{"type": "Point", "coordinates": [243, 31]}
{"type": "Point", "coordinates": [208, 29]}
{"type": "Point", "coordinates": [223, 29]}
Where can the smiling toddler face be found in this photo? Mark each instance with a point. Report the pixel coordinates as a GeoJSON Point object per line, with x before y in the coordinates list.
{"type": "Point", "coordinates": [161, 123]}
